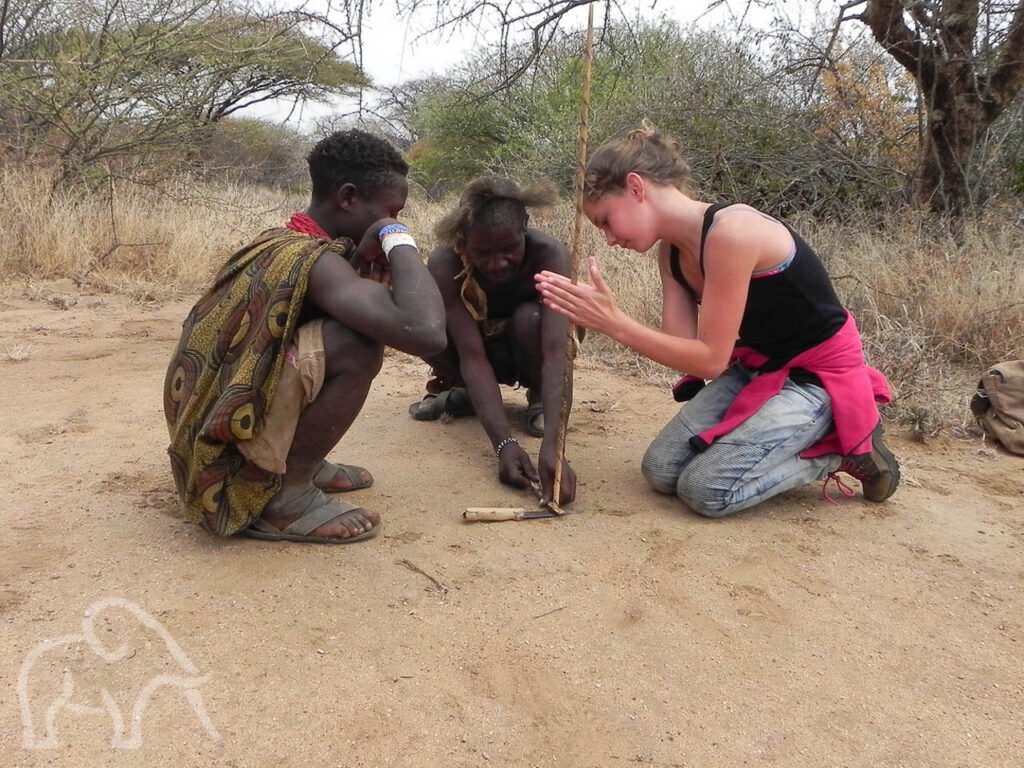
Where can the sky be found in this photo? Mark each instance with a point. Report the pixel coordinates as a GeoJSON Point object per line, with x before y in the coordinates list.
{"type": "Point", "coordinates": [396, 49]}
{"type": "Point", "coordinates": [420, 54]}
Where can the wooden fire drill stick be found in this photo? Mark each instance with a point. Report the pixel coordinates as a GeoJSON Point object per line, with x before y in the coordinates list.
{"type": "Point", "coordinates": [570, 331]}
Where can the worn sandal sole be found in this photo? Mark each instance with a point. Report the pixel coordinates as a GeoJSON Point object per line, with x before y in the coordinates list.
{"type": "Point", "coordinates": [317, 510]}
{"type": "Point", "coordinates": [281, 536]}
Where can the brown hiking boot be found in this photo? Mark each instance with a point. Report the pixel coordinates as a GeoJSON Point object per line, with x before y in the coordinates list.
{"type": "Point", "coordinates": [877, 470]}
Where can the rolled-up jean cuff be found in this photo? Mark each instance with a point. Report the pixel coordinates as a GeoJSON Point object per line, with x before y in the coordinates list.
{"type": "Point", "coordinates": [302, 377]}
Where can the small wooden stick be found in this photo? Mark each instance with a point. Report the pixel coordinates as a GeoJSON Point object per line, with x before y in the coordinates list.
{"type": "Point", "coordinates": [574, 264]}
{"type": "Point", "coordinates": [416, 569]}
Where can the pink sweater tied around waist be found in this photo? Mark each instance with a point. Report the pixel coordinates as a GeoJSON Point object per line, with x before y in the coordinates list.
{"type": "Point", "coordinates": [853, 386]}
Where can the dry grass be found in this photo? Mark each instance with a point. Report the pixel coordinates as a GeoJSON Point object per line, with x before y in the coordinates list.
{"type": "Point", "coordinates": [164, 240]}
{"type": "Point", "coordinates": [935, 309]}
{"type": "Point", "coordinates": [15, 353]}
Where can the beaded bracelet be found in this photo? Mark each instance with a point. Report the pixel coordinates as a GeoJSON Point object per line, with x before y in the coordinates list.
{"type": "Point", "coordinates": [502, 444]}
{"type": "Point", "coordinates": [387, 229]}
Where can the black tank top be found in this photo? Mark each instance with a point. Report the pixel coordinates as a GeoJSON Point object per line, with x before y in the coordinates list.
{"type": "Point", "coordinates": [788, 310]}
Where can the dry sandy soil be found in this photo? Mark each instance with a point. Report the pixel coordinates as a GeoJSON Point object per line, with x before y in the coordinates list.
{"type": "Point", "coordinates": [797, 634]}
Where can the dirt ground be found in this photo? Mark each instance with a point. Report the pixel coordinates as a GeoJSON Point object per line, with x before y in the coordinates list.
{"type": "Point", "coordinates": [800, 633]}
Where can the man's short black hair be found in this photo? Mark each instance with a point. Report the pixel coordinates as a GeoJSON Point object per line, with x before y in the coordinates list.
{"type": "Point", "coordinates": [353, 157]}
{"type": "Point", "coordinates": [492, 201]}
{"type": "Point", "coordinates": [501, 211]}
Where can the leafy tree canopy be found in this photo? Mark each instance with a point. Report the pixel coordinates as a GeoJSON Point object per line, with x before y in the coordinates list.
{"type": "Point", "coordinates": [123, 80]}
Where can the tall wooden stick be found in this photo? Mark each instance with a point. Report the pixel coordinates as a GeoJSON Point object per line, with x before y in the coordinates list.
{"type": "Point", "coordinates": [574, 264]}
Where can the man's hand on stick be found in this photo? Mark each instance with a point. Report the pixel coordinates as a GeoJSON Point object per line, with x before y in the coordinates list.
{"type": "Point", "coordinates": [567, 492]}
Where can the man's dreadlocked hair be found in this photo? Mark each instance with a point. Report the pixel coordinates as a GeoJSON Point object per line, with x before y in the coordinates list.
{"type": "Point", "coordinates": [491, 201]}
{"type": "Point", "coordinates": [353, 157]}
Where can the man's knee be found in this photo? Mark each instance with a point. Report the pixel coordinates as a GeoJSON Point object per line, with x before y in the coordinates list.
{"type": "Point", "coordinates": [526, 323]}
{"type": "Point", "coordinates": [350, 353]}
{"type": "Point", "coordinates": [445, 364]}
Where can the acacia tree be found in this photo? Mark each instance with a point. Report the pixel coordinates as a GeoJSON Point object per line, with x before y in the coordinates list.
{"type": "Point", "coordinates": [100, 83]}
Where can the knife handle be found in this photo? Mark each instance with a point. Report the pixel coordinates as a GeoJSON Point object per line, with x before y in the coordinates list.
{"type": "Point", "coordinates": [492, 514]}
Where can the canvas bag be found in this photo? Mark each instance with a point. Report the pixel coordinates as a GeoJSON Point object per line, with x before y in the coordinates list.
{"type": "Point", "coordinates": [998, 405]}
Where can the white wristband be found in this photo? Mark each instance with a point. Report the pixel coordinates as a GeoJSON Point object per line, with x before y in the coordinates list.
{"type": "Point", "coordinates": [394, 239]}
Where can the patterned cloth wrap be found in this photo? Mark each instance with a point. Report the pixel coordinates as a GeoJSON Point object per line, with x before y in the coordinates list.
{"type": "Point", "coordinates": [225, 373]}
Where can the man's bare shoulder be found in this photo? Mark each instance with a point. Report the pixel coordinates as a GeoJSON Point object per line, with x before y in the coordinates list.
{"type": "Point", "coordinates": [444, 262]}
{"type": "Point", "coordinates": [546, 252]}
{"type": "Point", "coordinates": [333, 269]}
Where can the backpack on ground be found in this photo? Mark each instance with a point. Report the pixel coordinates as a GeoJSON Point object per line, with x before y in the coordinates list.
{"type": "Point", "coordinates": [998, 405]}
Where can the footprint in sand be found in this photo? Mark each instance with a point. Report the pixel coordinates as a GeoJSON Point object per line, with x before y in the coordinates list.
{"type": "Point", "coordinates": [755, 603]}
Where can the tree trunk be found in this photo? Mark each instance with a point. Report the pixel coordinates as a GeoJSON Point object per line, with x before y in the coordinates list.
{"type": "Point", "coordinates": [964, 90]}
{"type": "Point", "coordinates": [955, 124]}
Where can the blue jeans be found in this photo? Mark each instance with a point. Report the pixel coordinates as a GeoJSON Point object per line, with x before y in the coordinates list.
{"type": "Point", "coordinates": [753, 462]}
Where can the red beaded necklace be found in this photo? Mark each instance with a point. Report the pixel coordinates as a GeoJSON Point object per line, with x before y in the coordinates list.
{"type": "Point", "coordinates": [300, 222]}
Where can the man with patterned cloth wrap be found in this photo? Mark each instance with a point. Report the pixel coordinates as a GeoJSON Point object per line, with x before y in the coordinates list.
{"type": "Point", "coordinates": [276, 359]}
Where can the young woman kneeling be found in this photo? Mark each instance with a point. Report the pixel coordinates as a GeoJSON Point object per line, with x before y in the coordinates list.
{"type": "Point", "coordinates": [748, 306]}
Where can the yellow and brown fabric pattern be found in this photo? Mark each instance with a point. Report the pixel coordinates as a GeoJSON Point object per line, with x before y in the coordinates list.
{"type": "Point", "coordinates": [225, 373]}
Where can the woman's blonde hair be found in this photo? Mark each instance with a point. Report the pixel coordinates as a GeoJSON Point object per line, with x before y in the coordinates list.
{"type": "Point", "coordinates": [493, 200]}
{"type": "Point", "coordinates": [644, 151]}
